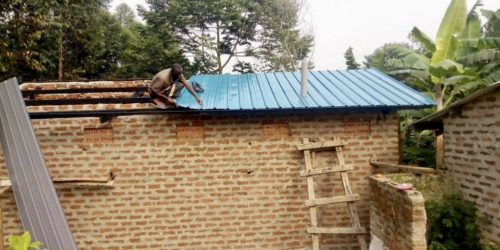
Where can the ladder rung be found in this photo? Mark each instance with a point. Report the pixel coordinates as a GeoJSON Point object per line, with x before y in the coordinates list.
{"type": "Point", "coordinates": [320, 145]}
{"type": "Point", "coordinates": [335, 169]}
{"type": "Point", "coordinates": [336, 230]}
{"type": "Point", "coordinates": [330, 200]}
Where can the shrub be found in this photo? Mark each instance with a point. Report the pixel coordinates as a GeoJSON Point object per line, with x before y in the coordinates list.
{"type": "Point", "coordinates": [453, 224]}
{"type": "Point", "coordinates": [23, 242]}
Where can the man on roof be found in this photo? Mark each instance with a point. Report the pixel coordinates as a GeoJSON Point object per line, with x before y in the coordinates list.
{"type": "Point", "coordinates": [167, 85]}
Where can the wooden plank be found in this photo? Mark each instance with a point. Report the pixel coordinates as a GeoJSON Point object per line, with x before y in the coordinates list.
{"type": "Point", "coordinates": [109, 112]}
{"type": "Point", "coordinates": [340, 168]}
{"type": "Point", "coordinates": [312, 196]}
{"type": "Point", "coordinates": [72, 181]}
{"type": "Point", "coordinates": [80, 101]}
{"type": "Point", "coordinates": [1, 230]}
{"type": "Point", "coordinates": [83, 90]}
{"type": "Point", "coordinates": [84, 182]}
{"type": "Point", "coordinates": [332, 200]}
{"type": "Point", "coordinates": [336, 230]}
{"type": "Point", "coordinates": [353, 213]}
{"type": "Point", "coordinates": [320, 145]}
{"type": "Point", "coordinates": [313, 159]}
{"type": "Point", "coordinates": [410, 168]}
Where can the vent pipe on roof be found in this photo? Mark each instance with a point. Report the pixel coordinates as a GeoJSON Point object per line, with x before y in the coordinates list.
{"type": "Point", "coordinates": [304, 82]}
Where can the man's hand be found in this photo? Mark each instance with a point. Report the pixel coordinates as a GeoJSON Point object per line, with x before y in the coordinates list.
{"type": "Point", "coordinates": [190, 89]}
{"type": "Point", "coordinates": [171, 101]}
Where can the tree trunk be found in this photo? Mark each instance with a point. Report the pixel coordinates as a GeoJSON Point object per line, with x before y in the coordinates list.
{"type": "Point", "coordinates": [439, 152]}
{"type": "Point", "coordinates": [439, 96]}
{"type": "Point", "coordinates": [218, 50]}
{"type": "Point", "coordinates": [439, 138]}
{"type": "Point", "coordinates": [61, 55]}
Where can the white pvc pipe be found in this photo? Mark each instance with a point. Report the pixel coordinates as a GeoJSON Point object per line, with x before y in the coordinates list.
{"type": "Point", "coordinates": [304, 82]}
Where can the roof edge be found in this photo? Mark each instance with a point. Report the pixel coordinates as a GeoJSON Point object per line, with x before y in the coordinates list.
{"type": "Point", "coordinates": [437, 116]}
{"type": "Point", "coordinates": [128, 112]}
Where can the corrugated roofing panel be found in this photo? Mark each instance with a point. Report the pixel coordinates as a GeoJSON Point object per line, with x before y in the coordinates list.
{"type": "Point", "coordinates": [360, 88]}
{"type": "Point", "coordinates": [36, 199]}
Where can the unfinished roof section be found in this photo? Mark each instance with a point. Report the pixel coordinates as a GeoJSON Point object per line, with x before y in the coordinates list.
{"type": "Point", "coordinates": [334, 90]}
{"type": "Point", "coordinates": [361, 88]}
{"type": "Point", "coordinates": [39, 207]}
{"type": "Point", "coordinates": [435, 120]}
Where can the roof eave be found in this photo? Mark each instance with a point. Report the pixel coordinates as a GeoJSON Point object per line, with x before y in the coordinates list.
{"type": "Point", "coordinates": [128, 112]}
{"type": "Point", "coordinates": [437, 117]}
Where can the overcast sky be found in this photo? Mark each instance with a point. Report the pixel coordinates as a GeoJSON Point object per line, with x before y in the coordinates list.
{"type": "Point", "coordinates": [362, 24]}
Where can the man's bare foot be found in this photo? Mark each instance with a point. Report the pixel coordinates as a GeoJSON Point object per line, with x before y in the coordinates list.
{"type": "Point", "coordinates": [159, 103]}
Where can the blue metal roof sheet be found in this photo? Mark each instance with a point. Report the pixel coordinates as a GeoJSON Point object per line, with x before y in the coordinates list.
{"type": "Point", "coordinates": [360, 88]}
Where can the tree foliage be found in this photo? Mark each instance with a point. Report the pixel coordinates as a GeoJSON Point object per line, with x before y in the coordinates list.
{"type": "Point", "coordinates": [146, 52]}
{"type": "Point", "coordinates": [418, 147]}
{"type": "Point", "coordinates": [76, 28]}
{"type": "Point", "coordinates": [79, 39]}
{"type": "Point", "coordinates": [124, 14]}
{"type": "Point", "coordinates": [283, 44]}
{"type": "Point", "coordinates": [207, 30]}
{"type": "Point", "coordinates": [62, 39]}
{"type": "Point", "coordinates": [350, 60]}
{"type": "Point", "coordinates": [23, 242]}
{"type": "Point", "coordinates": [216, 32]}
{"type": "Point", "coordinates": [461, 60]}
{"type": "Point", "coordinates": [25, 44]}
{"type": "Point", "coordinates": [454, 223]}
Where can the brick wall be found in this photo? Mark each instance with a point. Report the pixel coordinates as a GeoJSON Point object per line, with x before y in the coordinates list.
{"type": "Point", "coordinates": [399, 214]}
{"type": "Point", "coordinates": [471, 153]}
{"type": "Point", "coordinates": [233, 189]}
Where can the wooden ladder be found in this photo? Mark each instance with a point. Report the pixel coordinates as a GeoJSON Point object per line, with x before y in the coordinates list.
{"type": "Point", "coordinates": [309, 149]}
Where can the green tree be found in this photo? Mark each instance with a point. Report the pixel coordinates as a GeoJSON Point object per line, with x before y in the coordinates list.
{"type": "Point", "coordinates": [283, 46]}
{"type": "Point", "coordinates": [212, 31]}
{"type": "Point", "coordinates": [75, 30]}
{"type": "Point", "coordinates": [101, 48]}
{"type": "Point", "coordinates": [461, 61]}
{"type": "Point", "coordinates": [243, 67]}
{"type": "Point", "coordinates": [216, 33]}
{"type": "Point", "coordinates": [147, 49]}
{"type": "Point", "coordinates": [350, 60]}
{"type": "Point", "coordinates": [462, 58]}
{"type": "Point", "coordinates": [146, 53]}
{"type": "Point", "coordinates": [403, 62]}
{"type": "Point", "coordinates": [492, 26]}
{"type": "Point", "coordinates": [26, 46]}
{"type": "Point", "coordinates": [124, 14]}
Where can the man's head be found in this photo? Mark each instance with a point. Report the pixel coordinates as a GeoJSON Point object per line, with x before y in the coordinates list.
{"type": "Point", "coordinates": [176, 70]}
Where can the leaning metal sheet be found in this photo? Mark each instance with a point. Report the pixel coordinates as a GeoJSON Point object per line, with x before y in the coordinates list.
{"type": "Point", "coordinates": [36, 199]}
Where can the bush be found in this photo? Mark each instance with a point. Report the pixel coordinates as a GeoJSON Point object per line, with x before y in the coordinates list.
{"type": "Point", "coordinates": [418, 147]}
{"type": "Point", "coordinates": [453, 224]}
{"type": "Point", "coordinates": [23, 242]}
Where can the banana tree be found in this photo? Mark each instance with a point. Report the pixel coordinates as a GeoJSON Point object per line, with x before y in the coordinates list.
{"type": "Point", "coordinates": [462, 60]}
{"type": "Point", "coordinates": [442, 65]}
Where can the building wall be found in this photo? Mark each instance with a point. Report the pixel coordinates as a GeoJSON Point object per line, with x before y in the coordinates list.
{"type": "Point", "coordinates": [471, 153]}
{"type": "Point", "coordinates": [398, 215]}
{"type": "Point", "coordinates": [233, 189]}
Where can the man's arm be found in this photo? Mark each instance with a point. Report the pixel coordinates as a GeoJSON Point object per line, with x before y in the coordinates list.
{"type": "Point", "coordinates": [156, 87]}
{"type": "Point", "coordinates": [191, 90]}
